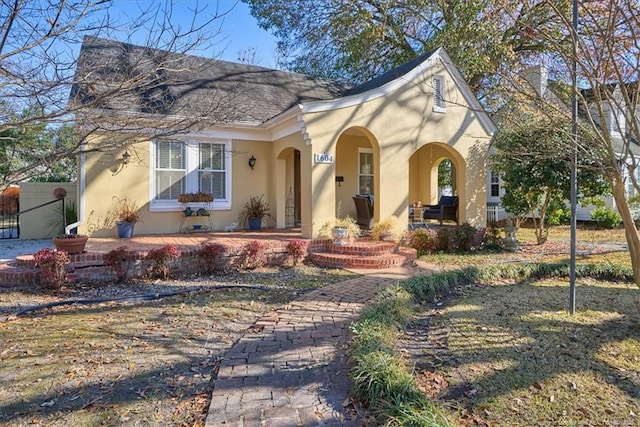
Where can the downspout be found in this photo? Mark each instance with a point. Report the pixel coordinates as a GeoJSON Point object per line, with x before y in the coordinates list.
{"type": "Point", "coordinates": [81, 188]}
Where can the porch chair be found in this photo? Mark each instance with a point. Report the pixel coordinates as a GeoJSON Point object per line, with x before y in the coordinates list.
{"type": "Point", "coordinates": [364, 211]}
{"type": "Point", "coordinates": [446, 209]}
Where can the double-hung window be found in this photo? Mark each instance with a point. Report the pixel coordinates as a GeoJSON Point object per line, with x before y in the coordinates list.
{"type": "Point", "coordinates": [495, 184]}
{"type": "Point", "coordinates": [212, 175]}
{"type": "Point", "coordinates": [190, 167]}
{"type": "Point", "coordinates": [365, 171]}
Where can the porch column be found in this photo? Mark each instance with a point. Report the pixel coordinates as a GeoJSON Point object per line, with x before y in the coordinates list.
{"type": "Point", "coordinates": [281, 196]}
{"type": "Point", "coordinates": [306, 193]}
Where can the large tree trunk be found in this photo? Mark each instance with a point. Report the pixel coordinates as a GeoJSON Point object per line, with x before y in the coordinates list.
{"type": "Point", "coordinates": [630, 230]}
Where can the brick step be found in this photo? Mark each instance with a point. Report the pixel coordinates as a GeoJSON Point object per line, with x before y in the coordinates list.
{"type": "Point", "coordinates": [333, 260]}
{"type": "Point", "coordinates": [12, 274]}
{"type": "Point", "coordinates": [78, 260]}
{"type": "Point", "coordinates": [362, 248]}
{"type": "Point", "coordinates": [90, 273]}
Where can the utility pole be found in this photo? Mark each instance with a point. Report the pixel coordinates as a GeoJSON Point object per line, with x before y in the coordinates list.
{"type": "Point", "coordinates": [574, 161]}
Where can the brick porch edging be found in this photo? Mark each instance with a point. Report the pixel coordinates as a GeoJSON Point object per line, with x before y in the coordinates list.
{"type": "Point", "coordinates": [90, 266]}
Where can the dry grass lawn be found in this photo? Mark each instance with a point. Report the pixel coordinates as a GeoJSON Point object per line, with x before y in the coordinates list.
{"type": "Point", "coordinates": [509, 354]}
{"type": "Point", "coordinates": [132, 363]}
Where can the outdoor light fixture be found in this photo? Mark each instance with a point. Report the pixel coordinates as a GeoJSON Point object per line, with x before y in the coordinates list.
{"type": "Point", "coordinates": [126, 158]}
{"type": "Point", "coordinates": [252, 162]}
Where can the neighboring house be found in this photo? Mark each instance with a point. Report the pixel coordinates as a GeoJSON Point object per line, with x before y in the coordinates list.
{"type": "Point", "coordinates": [538, 81]}
{"type": "Point", "coordinates": [316, 143]}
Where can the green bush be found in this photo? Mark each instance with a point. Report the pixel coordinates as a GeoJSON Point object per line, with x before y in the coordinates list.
{"type": "Point", "coordinates": [493, 236]}
{"type": "Point", "coordinates": [559, 217]}
{"type": "Point", "coordinates": [424, 241]}
{"type": "Point", "coordinates": [606, 217]}
{"type": "Point", "coordinates": [463, 238]}
{"type": "Point", "coordinates": [443, 239]}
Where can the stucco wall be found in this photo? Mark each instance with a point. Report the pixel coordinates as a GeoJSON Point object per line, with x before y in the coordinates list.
{"type": "Point", "coordinates": [44, 222]}
{"type": "Point", "coordinates": [400, 123]}
{"type": "Point", "coordinates": [108, 180]}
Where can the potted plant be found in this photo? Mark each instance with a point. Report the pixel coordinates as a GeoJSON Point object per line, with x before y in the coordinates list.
{"type": "Point", "coordinates": [126, 217]}
{"type": "Point", "coordinates": [343, 229]}
{"type": "Point", "coordinates": [71, 243]}
{"type": "Point", "coordinates": [254, 211]}
{"type": "Point", "coordinates": [388, 229]}
{"type": "Point", "coordinates": [340, 229]}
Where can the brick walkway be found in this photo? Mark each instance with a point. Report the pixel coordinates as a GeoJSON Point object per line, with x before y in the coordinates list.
{"type": "Point", "coordinates": [291, 370]}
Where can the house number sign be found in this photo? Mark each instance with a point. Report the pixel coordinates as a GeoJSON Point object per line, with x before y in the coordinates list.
{"type": "Point", "coordinates": [323, 158]}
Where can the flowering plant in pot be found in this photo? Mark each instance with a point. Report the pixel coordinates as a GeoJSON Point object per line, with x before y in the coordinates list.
{"type": "Point", "coordinates": [254, 211]}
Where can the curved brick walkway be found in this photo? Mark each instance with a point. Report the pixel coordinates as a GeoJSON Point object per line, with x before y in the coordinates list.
{"type": "Point", "coordinates": [291, 371]}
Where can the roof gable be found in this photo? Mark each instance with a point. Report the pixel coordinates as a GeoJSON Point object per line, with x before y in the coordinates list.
{"type": "Point", "coordinates": [395, 79]}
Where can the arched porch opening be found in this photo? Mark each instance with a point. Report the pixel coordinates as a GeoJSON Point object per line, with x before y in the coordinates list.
{"type": "Point", "coordinates": [357, 170]}
{"type": "Point", "coordinates": [288, 205]}
{"type": "Point", "coordinates": [435, 170]}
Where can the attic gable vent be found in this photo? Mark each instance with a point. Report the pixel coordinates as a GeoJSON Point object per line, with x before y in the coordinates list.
{"type": "Point", "coordinates": [438, 95]}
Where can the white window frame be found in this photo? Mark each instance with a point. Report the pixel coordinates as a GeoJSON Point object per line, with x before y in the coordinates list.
{"type": "Point", "coordinates": [191, 179]}
{"type": "Point", "coordinates": [498, 182]}
{"type": "Point", "coordinates": [439, 89]}
{"type": "Point", "coordinates": [360, 174]}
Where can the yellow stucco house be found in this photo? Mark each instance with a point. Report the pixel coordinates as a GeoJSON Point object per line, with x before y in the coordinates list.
{"type": "Point", "coordinates": [315, 143]}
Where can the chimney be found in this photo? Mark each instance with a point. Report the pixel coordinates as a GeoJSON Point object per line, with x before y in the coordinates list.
{"type": "Point", "coordinates": [537, 77]}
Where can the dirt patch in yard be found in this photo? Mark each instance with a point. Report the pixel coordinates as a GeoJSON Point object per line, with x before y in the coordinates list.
{"type": "Point", "coordinates": [134, 361]}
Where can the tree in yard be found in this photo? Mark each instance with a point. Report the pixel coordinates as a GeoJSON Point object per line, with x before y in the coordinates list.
{"type": "Point", "coordinates": [359, 39]}
{"type": "Point", "coordinates": [48, 92]}
{"type": "Point", "coordinates": [607, 57]}
{"type": "Point", "coordinates": [29, 146]}
{"type": "Point", "coordinates": [535, 167]}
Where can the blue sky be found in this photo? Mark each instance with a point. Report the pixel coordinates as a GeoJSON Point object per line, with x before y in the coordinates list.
{"type": "Point", "coordinates": [238, 29]}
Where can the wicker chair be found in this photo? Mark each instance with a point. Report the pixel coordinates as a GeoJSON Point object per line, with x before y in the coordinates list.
{"type": "Point", "coordinates": [446, 209]}
{"type": "Point", "coordinates": [364, 211]}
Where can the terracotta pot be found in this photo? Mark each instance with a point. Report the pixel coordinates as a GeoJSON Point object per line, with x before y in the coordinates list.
{"type": "Point", "coordinates": [73, 245]}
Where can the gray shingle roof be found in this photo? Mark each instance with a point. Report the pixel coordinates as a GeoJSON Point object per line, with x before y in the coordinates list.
{"type": "Point", "coordinates": [390, 75]}
{"type": "Point", "coordinates": [122, 76]}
